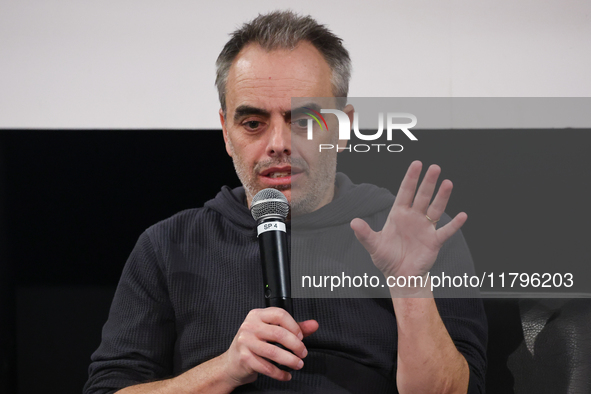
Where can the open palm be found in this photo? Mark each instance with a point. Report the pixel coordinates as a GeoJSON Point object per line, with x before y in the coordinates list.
{"type": "Point", "coordinates": [409, 242]}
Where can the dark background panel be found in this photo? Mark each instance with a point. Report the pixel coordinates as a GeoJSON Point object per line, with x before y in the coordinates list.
{"type": "Point", "coordinates": [58, 329]}
{"type": "Point", "coordinates": [75, 202]}
{"type": "Point", "coordinates": [78, 200]}
{"type": "Point", "coordinates": [7, 307]}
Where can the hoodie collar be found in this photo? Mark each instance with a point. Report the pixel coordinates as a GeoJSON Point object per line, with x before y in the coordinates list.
{"type": "Point", "coordinates": [350, 201]}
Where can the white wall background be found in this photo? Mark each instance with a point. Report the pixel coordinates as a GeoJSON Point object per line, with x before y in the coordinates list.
{"type": "Point", "coordinates": [150, 64]}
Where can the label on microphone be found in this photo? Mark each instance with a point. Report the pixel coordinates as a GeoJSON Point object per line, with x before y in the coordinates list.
{"type": "Point", "coordinates": [270, 226]}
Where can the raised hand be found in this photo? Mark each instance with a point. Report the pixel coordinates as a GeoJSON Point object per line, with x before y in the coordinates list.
{"type": "Point", "coordinates": [409, 242]}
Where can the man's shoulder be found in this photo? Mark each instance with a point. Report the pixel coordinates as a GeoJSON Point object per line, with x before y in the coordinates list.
{"type": "Point", "coordinates": [213, 218]}
{"type": "Point", "coordinates": [184, 216]}
{"type": "Point", "coordinates": [182, 222]}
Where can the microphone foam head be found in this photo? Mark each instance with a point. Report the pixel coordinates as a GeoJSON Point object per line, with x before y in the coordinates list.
{"type": "Point", "coordinates": [269, 203]}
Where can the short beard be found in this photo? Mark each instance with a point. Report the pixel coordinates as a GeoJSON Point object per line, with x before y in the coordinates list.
{"type": "Point", "coordinates": [245, 178]}
{"type": "Point", "coordinates": [309, 196]}
{"type": "Point", "coordinates": [304, 199]}
{"type": "Point", "coordinates": [248, 178]}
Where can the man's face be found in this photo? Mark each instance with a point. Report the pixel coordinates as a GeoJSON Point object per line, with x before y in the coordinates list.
{"type": "Point", "coordinates": [257, 126]}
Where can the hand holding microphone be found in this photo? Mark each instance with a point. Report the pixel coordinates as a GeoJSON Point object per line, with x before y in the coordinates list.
{"type": "Point", "coordinates": [252, 351]}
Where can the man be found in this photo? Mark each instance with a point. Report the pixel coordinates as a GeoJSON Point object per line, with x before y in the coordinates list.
{"type": "Point", "coordinates": [188, 314]}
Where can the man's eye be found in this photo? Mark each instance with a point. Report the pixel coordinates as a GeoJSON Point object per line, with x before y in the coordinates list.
{"type": "Point", "coordinates": [300, 123]}
{"type": "Point", "coordinates": [252, 124]}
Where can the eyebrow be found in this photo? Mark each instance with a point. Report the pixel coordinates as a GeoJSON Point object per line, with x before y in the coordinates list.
{"type": "Point", "coordinates": [304, 108]}
{"type": "Point", "coordinates": [247, 110]}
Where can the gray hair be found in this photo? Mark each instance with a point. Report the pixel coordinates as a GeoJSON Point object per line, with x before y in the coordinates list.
{"type": "Point", "coordinates": [284, 30]}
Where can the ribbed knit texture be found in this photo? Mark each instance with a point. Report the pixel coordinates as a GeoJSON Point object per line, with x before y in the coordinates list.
{"type": "Point", "coordinates": [192, 279]}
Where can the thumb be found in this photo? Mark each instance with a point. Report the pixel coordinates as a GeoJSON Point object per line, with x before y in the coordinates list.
{"type": "Point", "coordinates": [364, 234]}
{"type": "Point", "coordinates": [308, 327]}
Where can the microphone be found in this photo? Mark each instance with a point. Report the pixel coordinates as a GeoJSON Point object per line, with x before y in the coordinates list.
{"type": "Point", "coordinates": [270, 208]}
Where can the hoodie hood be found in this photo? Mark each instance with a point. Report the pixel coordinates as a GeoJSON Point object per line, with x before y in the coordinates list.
{"type": "Point", "coordinates": [231, 204]}
{"type": "Point", "coordinates": [351, 201]}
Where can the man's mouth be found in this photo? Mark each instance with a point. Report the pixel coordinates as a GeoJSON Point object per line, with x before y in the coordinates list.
{"type": "Point", "coordinates": [279, 174]}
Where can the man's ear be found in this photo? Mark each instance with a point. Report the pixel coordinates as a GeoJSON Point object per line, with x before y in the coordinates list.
{"type": "Point", "coordinates": [225, 133]}
{"type": "Point", "coordinates": [349, 110]}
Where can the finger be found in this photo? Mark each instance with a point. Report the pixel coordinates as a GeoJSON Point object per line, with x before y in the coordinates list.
{"type": "Point", "coordinates": [275, 353]}
{"type": "Point", "coordinates": [407, 189]}
{"type": "Point", "coordinates": [364, 234]}
{"type": "Point", "coordinates": [440, 201]}
{"type": "Point", "coordinates": [276, 334]}
{"type": "Point", "coordinates": [425, 192]}
{"type": "Point", "coordinates": [444, 233]}
{"type": "Point", "coordinates": [260, 365]}
{"type": "Point", "coordinates": [308, 327]}
{"type": "Point", "coordinates": [279, 317]}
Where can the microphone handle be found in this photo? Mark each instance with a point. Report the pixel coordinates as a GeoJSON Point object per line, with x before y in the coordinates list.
{"type": "Point", "coordinates": [275, 264]}
{"type": "Point", "coordinates": [276, 274]}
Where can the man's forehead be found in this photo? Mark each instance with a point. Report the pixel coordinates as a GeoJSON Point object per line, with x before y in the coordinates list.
{"type": "Point", "coordinates": [269, 79]}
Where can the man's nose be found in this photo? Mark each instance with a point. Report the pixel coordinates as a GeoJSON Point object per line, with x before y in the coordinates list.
{"type": "Point", "coordinates": [279, 140]}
